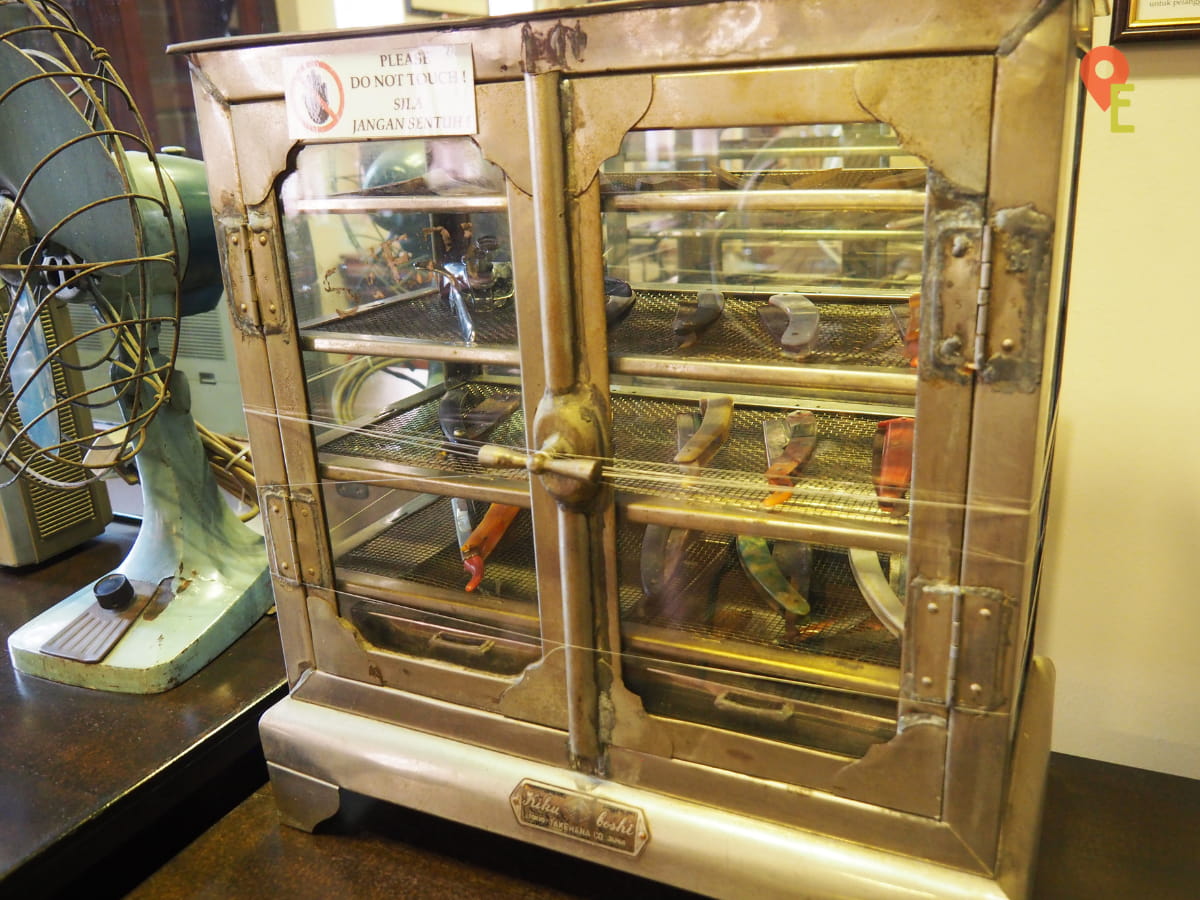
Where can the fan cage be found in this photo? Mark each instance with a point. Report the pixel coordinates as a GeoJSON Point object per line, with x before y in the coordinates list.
{"type": "Point", "coordinates": [108, 396]}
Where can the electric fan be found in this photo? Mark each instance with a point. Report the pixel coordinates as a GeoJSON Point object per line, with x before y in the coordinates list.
{"type": "Point", "coordinates": [91, 215]}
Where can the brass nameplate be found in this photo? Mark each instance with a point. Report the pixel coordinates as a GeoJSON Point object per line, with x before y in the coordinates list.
{"type": "Point", "coordinates": [580, 816]}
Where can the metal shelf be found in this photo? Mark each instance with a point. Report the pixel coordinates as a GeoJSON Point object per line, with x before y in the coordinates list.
{"type": "Point", "coordinates": [858, 344]}
{"type": "Point", "coordinates": [834, 500]}
{"type": "Point", "coordinates": [827, 200]}
{"type": "Point", "coordinates": [421, 323]}
{"type": "Point", "coordinates": [357, 203]}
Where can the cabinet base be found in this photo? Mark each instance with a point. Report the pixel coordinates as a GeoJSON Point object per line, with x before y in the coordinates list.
{"type": "Point", "coordinates": [313, 751]}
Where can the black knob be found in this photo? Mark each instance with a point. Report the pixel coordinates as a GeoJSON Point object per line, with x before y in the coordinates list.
{"type": "Point", "coordinates": [114, 592]}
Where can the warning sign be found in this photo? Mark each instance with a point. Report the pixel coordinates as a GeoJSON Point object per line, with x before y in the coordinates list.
{"type": "Point", "coordinates": [320, 97]}
{"type": "Point", "coordinates": [411, 92]}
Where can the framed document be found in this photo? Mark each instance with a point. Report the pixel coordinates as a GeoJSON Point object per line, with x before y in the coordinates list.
{"type": "Point", "coordinates": [1154, 20]}
{"type": "Point", "coordinates": [447, 7]}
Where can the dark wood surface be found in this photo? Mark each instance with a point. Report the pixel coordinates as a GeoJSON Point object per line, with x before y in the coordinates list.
{"type": "Point", "coordinates": [83, 773]}
{"type": "Point", "coordinates": [1109, 833]}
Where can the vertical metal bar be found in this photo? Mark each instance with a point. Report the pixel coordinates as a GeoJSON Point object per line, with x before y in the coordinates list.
{"type": "Point", "coordinates": [560, 350]}
{"type": "Point", "coordinates": [575, 564]}
{"type": "Point", "coordinates": [550, 219]}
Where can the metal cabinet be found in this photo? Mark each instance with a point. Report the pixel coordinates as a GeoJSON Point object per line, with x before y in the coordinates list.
{"type": "Point", "coordinates": [651, 417]}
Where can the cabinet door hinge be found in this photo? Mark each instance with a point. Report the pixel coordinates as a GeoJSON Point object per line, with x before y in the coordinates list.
{"type": "Point", "coordinates": [954, 249]}
{"type": "Point", "coordinates": [239, 268]}
{"type": "Point", "coordinates": [252, 266]}
{"type": "Point", "coordinates": [984, 300]}
{"type": "Point", "coordinates": [974, 671]}
{"type": "Point", "coordinates": [1011, 333]}
{"type": "Point", "coordinates": [294, 543]}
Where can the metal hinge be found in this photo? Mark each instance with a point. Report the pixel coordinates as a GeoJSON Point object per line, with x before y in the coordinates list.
{"type": "Point", "coordinates": [1015, 331]}
{"type": "Point", "coordinates": [974, 673]}
{"type": "Point", "coordinates": [956, 235]}
{"type": "Point", "coordinates": [983, 301]}
{"type": "Point", "coordinates": [243, 291]}
{"type": "Point", "coordinates": [295, 546]}
{"type": "Point", "coordinates": [254, 277]}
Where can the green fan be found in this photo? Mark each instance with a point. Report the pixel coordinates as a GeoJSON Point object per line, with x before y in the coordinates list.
{"type": "Point", "coordinates": [89, 214]}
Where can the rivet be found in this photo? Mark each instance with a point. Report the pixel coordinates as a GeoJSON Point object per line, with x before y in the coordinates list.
{"type": "Point", "coordinates": [960, 246]}
{"type": "Point", "coordinates": [262, 238]}
{"type": "Point", "coordinates": [976, 688]}
{"type": "Point", "coordinates": [244, 307]}
{"type": "Point", "coordinates": [986, 612]}
{"type": "Point", "coordinates": [233, 240]}
{"type": "Point", "coordinates": [1008, 345]}
{"type": "Point", "coordinates": [950, 348]}
{"type": "Point", "coordinates": [284, 566]}
{"type": "Point", "coordinates": [271, 307]}
{"type": "Point", "coordinates": [927, 681]}
{"type": "Point", "coordinates": [932, 607]}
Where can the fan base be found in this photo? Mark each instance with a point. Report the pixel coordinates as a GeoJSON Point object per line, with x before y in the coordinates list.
{"type": "Point", "coordinates": [156, 654]}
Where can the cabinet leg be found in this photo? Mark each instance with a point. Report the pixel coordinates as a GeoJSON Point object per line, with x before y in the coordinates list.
{"type": "Point", "coordinates": [304, 802]}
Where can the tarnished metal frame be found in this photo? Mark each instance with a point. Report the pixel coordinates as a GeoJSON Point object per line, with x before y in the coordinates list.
{"type": "Point", "coordinates": [999, 513]}
{"type": "Point", "coordinates": [685, 35]}
{"type": "Point", "coordinates": [1035, 87]}
{"type": "Point", "coordinates": [254, 345]}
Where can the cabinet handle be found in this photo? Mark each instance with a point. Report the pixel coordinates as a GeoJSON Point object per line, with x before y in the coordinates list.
{"type": "Point", "coordinates": [729, 701]}
{"type": "Point", "coordinates": [540, 461]}
{"type": "Point", "coordinates": [467, 645]}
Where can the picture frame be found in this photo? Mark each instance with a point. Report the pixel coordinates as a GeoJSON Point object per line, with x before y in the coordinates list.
{"type": "Point", "coordinates": [435, 8]}
{"type": "Point", "coordinates": [1154, 20]}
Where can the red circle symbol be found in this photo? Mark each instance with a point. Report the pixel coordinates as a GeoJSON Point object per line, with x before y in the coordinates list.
{"type": "Point", "coordinates": [316, 96]}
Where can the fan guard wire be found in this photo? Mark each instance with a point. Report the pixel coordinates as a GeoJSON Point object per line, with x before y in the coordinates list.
{"type": "Point", "coordinates": [137, 385]}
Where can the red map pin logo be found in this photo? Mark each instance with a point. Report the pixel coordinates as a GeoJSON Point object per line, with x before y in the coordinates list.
{"type": "Point", "coordinates": [1100, 86]}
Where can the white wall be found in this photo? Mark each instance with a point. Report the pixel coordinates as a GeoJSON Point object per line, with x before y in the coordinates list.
{"type": "Point", "coordinates": [1120, 611]}
{"type": "Point", "coordinates": [305, 15]}
{"type": "Point", "coordinates": [322, 15]}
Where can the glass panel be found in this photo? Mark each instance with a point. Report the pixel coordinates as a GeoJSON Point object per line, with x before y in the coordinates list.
{"type": "Point", "coordinates": [401, 268]}
{"type": "Point", "coordinates": [400, 240]}
{"type": "Point", "coordinates": [764, 636]}
{"type": "Point", "coordinates": [730, 468]}
{"type": "Point", "coordinates": [708, 225]}
{"type": "Point", "coordinates": [763, 304]}
{"type": "Point", "coordinates": [403, 584]}
{"type": "Point", "coordinates": [445, 560]}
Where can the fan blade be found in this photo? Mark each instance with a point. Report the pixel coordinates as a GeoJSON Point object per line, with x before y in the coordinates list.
{"type": "Point", "coordinates": [26, 346]}
{"type": "Point", "coordinates": [40, 128]}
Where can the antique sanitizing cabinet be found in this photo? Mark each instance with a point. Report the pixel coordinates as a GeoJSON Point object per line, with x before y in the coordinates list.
{"type": "Point", "coordinates": [651, 411]}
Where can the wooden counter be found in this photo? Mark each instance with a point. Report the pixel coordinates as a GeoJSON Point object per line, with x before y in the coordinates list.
{"type": "Point", "coordinates": [87, 775]}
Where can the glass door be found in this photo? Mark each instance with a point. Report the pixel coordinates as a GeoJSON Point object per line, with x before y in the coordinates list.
{"type": "Point", "coordinates": [767, 243]}
{"type": "Point", "coordinates": [411, 263]}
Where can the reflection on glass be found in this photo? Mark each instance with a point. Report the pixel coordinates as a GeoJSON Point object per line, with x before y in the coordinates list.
{"type": "Point", "coordinates": [722, 233]}
{"type": "Point", "coordinates": [397, 251]}
{"type": "Point", "coordinates": [733, 257]}
{"type": "Point", "coordinates": [447, 578]}
{"type": "Point", "coordinates": [767, 636]}
{"type": "Point", "coordinates": [401, 238]}
{"type": "Point", "coordinates": [740, 240]}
